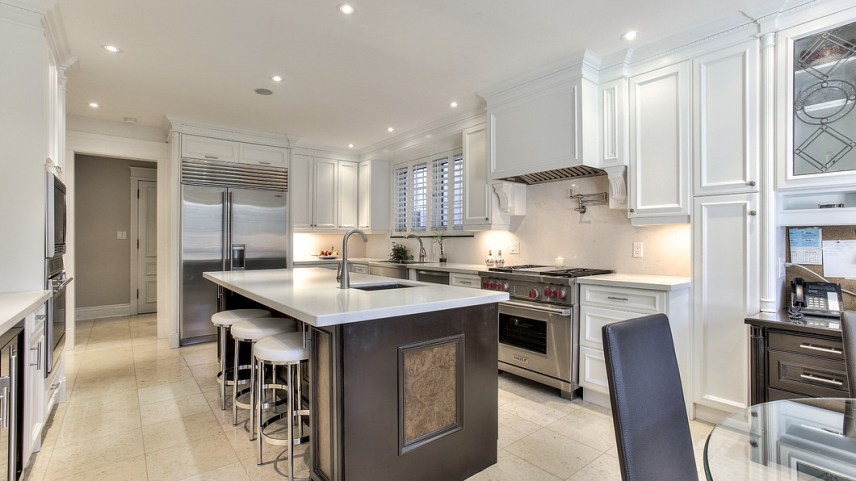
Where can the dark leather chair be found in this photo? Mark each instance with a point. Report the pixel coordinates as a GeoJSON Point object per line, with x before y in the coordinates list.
{"type": "Point", "coordinates": [652, 432]}
{"type": "Point", "coordinates": [848, 331]}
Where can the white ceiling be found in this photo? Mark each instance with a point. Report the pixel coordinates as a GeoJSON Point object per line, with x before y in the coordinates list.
{"type": "Point", "coordinates": [347, 78]}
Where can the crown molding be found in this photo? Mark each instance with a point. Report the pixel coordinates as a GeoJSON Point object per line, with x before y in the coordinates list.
{"type": "Point", "coordinates": [227, 133]}
{"type": "Point", "coordinates": [435, 133]}
{"type": "Point", "coordinates": [57, 40]}
{"type": "Point", "coordinates": [559, 71]}
{"type": "Point", "coordinates": [25, 12]}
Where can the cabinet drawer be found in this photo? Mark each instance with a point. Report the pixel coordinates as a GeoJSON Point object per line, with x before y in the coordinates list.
{"type": "Point", "coordinates": [812, 376]}
{"type": "Point", "coordinates": [209, 149]}
{"type": "Point", "coordinates": [263, 155]}
{"type": "Point", "coordinates": [593, 370]}
{"type": "Point", "coordinates": [808, 345]}
{"type": "Point", "coordinates": [359, 268]}
{"type": "Point", "coordinates": [635, 300]}
{"type": "Point", "coordinates": [464, 280]}
{"type": "Point", "coordinates": [592, 320]}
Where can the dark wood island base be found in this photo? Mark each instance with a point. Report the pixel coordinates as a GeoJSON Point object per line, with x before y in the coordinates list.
{"type": "Point", "coordinates": [411, 397]}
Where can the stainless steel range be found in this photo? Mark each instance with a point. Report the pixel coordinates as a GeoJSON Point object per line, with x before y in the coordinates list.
{"type": "Point", "coordinates": [539, 326]}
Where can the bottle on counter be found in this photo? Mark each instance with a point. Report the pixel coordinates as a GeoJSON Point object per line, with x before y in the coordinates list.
{"type": "Point", "coordinates": [499, 261]}
{"type": "Point", "coordinates": [489, 261]}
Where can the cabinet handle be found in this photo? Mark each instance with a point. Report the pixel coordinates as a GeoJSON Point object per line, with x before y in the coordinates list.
{"type": "Point", "coordinates": [753, 212]}
{"type": "Point", "coordinates": [38, 362]}
{"type": "Point", "coordinates": [212, 157]}
{"type": "Point", "coordinates": [632, 210]}
{"type": "Point", "coordinates": [830, 350]}
{"type": "Point", "coordinates": [811, 377]}
{"type": "Point", "coordinates": [39, 317]}
{"type": "Point", "coordinates": [264, 163]}
{"type": "Point", "coordinates": [752, 183]}
{"type": "Point", "coordinates": [612, 298]}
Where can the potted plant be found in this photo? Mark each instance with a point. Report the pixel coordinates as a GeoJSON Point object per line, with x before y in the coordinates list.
{"type": "Point", "coordinates": [438, 239]}
{"type": "Point", "coordinates": [399, 253]}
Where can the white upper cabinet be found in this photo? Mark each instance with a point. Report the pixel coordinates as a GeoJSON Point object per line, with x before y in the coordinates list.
{"type": "Point", "coordinates": [613, 123]}
{"type": "Point", "coordinates": [264, 155]}
{"type": "Point", "coordinates": [206, 148]}
{"type": "Point", "coordinates": [660, 146]}
{"type": "Point", "coordinates": [323, 193]}
{"type": "Point", "coordinates": [726, 121]}
{"type": "Point", "coordinates": [348, 180]}
{"type": "Point", "coordinates": [373, 196]}
{"type": "Point", "coordinates": [487, 204]}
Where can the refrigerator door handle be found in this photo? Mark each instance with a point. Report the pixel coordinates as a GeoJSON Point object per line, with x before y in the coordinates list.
{"type": "Point", "coordinates": [225, 232]}
{"type": "Point", "coordinates": [230, 201]}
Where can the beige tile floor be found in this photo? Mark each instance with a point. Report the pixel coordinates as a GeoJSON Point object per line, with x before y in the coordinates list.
{"type": "Point", "coordinates": [138, 410]}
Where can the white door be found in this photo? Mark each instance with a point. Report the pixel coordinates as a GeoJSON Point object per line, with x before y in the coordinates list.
{"type": "Point", "coordinates": [660, 143]}
{"type": "Point", "coordinates": [726, 108]}
{"type": "Point", "coordinates": [325, 194]}
{"type": "Point", "coordinates": [725, 290]}
{"type": "Point", "coordinates": [147, 247]}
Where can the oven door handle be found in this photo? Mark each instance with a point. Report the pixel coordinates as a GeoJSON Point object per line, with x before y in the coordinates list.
{"type": "Point", "coordinates": [61, 285]}
{"type": "Point", "coordinates": [551, 310]}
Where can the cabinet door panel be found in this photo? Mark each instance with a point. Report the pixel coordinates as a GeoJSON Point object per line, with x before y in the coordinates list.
{"type": "Point", "coordinates": [300, 185]}
{"type": "Point", "coordinates": [347, 195]}
{"type": "Point", "coordinates": [364, 196]}
{"type": "Point", "coordinates": [476, 194]}
{"type": "Point", "coordinates": [726, 97]}
{"type": "Point", "coordinates": [209, 149]}
{"type": "Point", "coordinates": [263, 155]}
{"type": "Point", "coordinates": [659, 183]}
{"type": "Point", "coordinates": [325, 195]}
{"type": "Point", "coordinates": [725, 280]}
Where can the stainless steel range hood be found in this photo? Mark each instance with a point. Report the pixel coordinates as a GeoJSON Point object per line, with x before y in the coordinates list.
{"type": "Point", "coordinates": [555, 175]}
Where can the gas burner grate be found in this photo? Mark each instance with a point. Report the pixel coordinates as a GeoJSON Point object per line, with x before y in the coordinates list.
{"type": "Point", "coordinates": [515, 268]}
{"type": "Point", "coordinates": [576, 272]}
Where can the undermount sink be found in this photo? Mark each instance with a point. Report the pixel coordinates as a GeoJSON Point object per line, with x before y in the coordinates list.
{"type": "Point", "coordinates": [381, 287]}
{"type": "Point", "coordinates": [404, 262]}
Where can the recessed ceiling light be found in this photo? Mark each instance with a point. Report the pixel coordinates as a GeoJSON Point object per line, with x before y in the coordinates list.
{"type": "Point", "coordinates": [629, 36]}
{"type": "Point", "coordinates": [111, 48]}
{"type": "Point", "coordinates": [346, 9]}
{"type": "Point", "coordinates": [390, 129]}
{"type": "Point", "coordinates": [276, 78]}
{"type": "Point", "coordinates": [94, 105]}
{"type": "Point", "coordinates": [453, 104]}
{"type": "Point", "coordinates": [350, 146]}
{"type": "Point", "coordinates": [264, 91]}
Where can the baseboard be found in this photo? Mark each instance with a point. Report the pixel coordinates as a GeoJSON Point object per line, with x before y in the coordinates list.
{"type": "Point", "coordinates": [100, 312]}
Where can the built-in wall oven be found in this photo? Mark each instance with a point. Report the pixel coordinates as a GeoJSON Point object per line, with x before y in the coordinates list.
{"type": "Point", "coordinates": [539, 324]}
{"type": "Point", "coordinates": [57, 282]}
{"type": "Point", "coordinates": [55, 219]}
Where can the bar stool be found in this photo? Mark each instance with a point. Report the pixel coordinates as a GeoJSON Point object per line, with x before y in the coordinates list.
{"type": "Point", "coordinates": [223, 321]}
{"type": "Point", "coordinates": [286, 349]}
{"type": "Point", "coordinates": [249, 331]}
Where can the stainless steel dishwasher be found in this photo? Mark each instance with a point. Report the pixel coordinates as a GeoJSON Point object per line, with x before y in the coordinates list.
{"type": "Point", "coordinates": [394, 271]}
{"type": "Point", "coordinates": [434, 277]}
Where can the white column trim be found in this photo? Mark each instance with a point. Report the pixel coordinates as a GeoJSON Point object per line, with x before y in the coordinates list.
{"type": "Point", "coordinates": [770, 238]}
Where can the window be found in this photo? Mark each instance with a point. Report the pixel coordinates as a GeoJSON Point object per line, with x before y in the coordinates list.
{"type": "Point", "coordinates": [428, 194]}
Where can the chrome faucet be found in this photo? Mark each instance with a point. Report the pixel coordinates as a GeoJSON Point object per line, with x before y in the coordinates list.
{"type": "Point", "coordinates": [421, 247]}
{"type": "Point", "coordinates": [342, 275]}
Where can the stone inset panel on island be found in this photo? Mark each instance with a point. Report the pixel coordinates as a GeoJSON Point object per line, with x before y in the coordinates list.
{"type": "Point", "coordinates": [430, 394]}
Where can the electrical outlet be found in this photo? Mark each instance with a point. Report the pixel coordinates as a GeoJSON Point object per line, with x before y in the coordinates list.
{"type": "Point", "coordinates": [637, 249]}
{"type": "Point", "coordinates": [122, 235]}
{"type": "Point", "coordinates": [515, 248]}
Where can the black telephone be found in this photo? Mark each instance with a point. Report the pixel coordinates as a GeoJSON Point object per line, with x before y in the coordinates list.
{"type": "Point", "coordinates": [816, 298]}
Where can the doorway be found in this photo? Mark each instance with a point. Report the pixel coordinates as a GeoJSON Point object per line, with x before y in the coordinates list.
{"type": "Point", "coordinates": [144, 252]}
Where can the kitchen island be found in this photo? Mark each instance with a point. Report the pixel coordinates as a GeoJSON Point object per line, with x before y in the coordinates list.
{"type": "Point", "coordinates": [403, 380]}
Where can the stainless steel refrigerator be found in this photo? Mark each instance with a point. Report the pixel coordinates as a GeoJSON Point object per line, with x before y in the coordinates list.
{"type": "Point", "coordinates": [232, 217]}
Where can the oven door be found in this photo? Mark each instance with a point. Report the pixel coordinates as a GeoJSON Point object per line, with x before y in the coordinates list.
{"type": "Point", "coordinates": [538, 339]}
{"type": "Point", "coordinates": [56, 324]}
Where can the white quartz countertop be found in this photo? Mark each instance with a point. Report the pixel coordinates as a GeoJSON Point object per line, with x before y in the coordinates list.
{"type": "Point", "coordinates": [312, 295]}
{"type": "Point", "coordinates": [14, 306]}
{"type": "Point", "coordinates": [638, 281]}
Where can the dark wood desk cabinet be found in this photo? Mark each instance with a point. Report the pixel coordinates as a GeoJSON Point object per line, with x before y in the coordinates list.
{"type": "Point", "coordinates": [796, 360]}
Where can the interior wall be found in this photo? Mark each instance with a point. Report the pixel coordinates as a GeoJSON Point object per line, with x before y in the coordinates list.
{"type": "Point", "coordinates": [23, 149]}
{"type": "Point", "coordinates": [102, 208]}
{"type": "Point", "coordinates": [601, 238]}
{"type": "Point", "coordinates": [306, 244]}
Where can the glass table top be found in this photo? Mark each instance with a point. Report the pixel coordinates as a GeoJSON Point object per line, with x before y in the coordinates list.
{"type": "Point", "coordinates": [794, 440]}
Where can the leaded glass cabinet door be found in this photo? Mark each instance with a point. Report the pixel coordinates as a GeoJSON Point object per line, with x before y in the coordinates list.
{"type": "Point", "coordinates": [824, 95]}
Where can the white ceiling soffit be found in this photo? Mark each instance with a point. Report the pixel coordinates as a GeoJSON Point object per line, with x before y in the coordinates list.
{"type": "Point", "coordinates": [346, 78]}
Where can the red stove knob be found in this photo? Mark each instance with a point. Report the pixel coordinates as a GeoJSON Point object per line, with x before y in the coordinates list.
{"type": "Point", "coordinates": [533, 293]}
{"type": "Point", "coordinates": [493, 285]}
{"type": "Point", "coordinates": [548, 292]}
{"type": "Point", "coordinates": [485, 284]}
{"type": "Point", "coordinates": [503, 286]}
{"type": "Point", "coordinates": [559, 293]}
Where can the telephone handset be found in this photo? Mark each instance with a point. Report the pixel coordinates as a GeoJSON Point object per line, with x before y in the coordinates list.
{"type": "Point", "coordinates": [816, 298]}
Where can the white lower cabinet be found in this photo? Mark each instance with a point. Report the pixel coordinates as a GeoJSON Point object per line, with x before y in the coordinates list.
{"type": "Point", "coordinates": [34, 383]}
{"type": "Point", "coordinates": [725, 267]}
{"type": "Point", "coordinates": [618, 298]}
{"type": "Point", "coordinates": [464, 280]}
